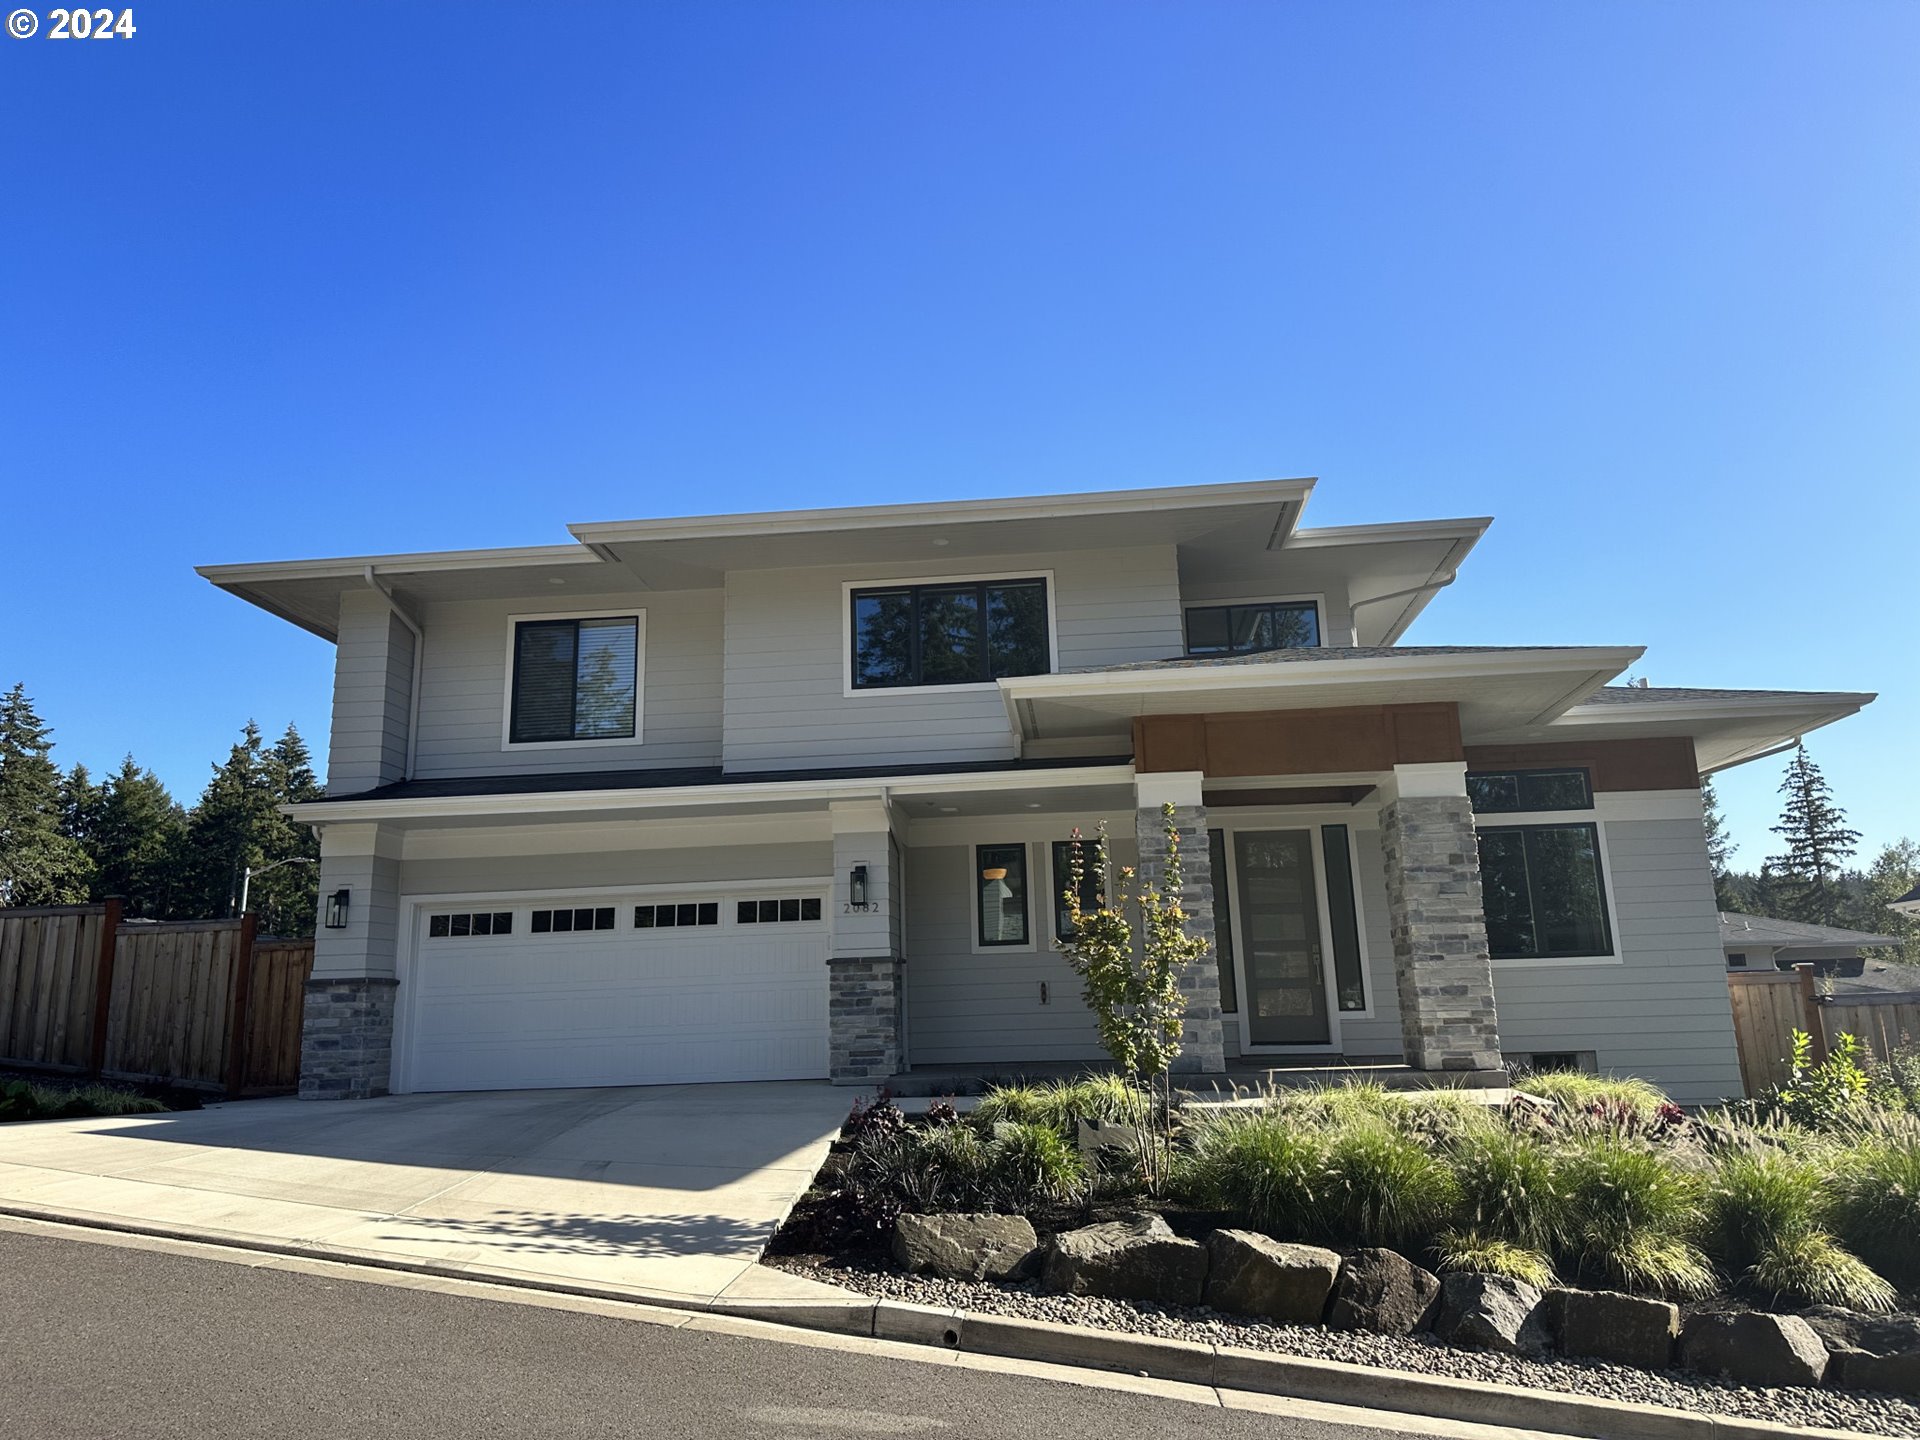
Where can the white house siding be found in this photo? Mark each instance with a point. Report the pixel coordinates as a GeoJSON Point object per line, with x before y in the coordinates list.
{"type": "Point", "coordinates": [975, 1009]}
{"type": "Point", "coordinates": [464, 685]}
{"type": "Point", "coordinates": [786, 657]}
{"type": "Point", "coordinates": [1663, 1011]}
{"type": "Point", "coordinates": [595, 869]}
{"type": "Point", "coordinates": [372, 677]}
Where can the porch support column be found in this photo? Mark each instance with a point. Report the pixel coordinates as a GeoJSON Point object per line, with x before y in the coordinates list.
{"type": "Point", "coordinates": [866, 992]}
{"type": "Point", "coordinates": [1440, 959]}
{"type": "Point", "coordinates": [1202, 1038]}
{"type": "Point", "coordinates": [346, 1031]}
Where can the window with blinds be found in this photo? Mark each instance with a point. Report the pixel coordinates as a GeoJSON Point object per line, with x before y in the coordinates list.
{"type": "Point", "coordinates": [575, 679]}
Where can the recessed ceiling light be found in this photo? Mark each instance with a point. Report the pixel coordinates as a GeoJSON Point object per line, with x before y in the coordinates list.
{"type": "Point", "coordinates": [940, 542]}
{"type": "Point", "coordinates": [949, 809]}
{"type": "Point", "coordinates": [555, 580]}
{"type": "Point", "coordinates": [1033, 805]}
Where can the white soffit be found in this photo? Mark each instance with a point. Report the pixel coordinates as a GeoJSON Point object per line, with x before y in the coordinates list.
{"type": "Point", "coordinates": [696, 552]}
{"type": "Point", "coordinates": [1727, 730]}
{"type": "Point", "coordinates": [1506, 690]}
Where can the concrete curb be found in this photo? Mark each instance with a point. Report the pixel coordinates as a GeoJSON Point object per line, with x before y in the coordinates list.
{"type": "Point", "coordinates": [1222, 1367]}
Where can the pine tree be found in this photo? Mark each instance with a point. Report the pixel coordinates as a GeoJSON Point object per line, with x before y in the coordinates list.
{"type": "Point", "coordinates": [40, 864]}
{"type": "Point", "coordinates": [1894, 872]}
{"type": "Point", "coordinates": [79, 805]}
{"type": "Point", "coordinates": [226, 829]}
{"type": "Point", "coordinates": [1818, 844]}
{"type": "Point", "coordinates": [1720, 848]}
{"type": "Point", "coordinates": [138, 842]}
{"type": "Point", "coordinates": [285, 898]}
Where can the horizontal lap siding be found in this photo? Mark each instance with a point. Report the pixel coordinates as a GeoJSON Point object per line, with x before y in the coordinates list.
{"type": "Point", "coordinates": [786, 662]}
{"type": "Point", "coordinates": [1663, 1013]}
{"type": "Point", "coordinates": [373, 672]}
{"type": "Point", "coordinates": [464, 679]}
{"type": "Point", "coordinates": [968, 1009]}
{"type": "Point", "coordinates": [536, 871]}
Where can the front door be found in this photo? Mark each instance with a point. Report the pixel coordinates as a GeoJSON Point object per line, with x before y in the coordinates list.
{"type": "Point", "coordinates": [1286, 991]}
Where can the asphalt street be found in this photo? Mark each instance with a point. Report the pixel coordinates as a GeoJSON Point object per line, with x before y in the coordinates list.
{"type": "Point", "coordinates": [106, 1341]}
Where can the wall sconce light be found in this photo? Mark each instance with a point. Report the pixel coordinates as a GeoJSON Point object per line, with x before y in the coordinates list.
{"type": "Point", "coordinates": [857, 887]}
{"type": "Point", "coordinates": [337, 904]}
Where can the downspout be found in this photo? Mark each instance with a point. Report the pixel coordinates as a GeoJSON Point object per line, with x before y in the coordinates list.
{"type": "Point", "coordinates": [1353, 626]}
{"type": "Point", "coordinates": [413, 685]}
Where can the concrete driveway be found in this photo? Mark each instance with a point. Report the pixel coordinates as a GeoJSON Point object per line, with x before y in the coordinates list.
{"type": "Point", "coordinates": [666, 1192]}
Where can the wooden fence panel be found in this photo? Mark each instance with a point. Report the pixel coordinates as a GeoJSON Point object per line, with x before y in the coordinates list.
{"type": "Point", "coordinates": [1883, 1023]}
{"type": "Point", "coordinates": [276, 1005]}
{"type": "Point", "coordinates": [1768, 1006]}
{"type": "Point", "coordinates": [170, 1017]}
{"type": "Point", "coordinates": [49, 967]}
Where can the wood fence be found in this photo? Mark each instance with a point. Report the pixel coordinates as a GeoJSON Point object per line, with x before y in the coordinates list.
{"type": "Point", "coordinates": [201, 1003]}
{"type": "Point", "coordinates": [1769, 1005]}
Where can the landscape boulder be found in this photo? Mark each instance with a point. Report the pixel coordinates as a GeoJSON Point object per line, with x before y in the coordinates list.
{"type": "Point", "coordinates": [1753, 1348]}
{"type": "Point", "coordinates": [965, 1247]}
{"type": "Point", "coordinates": [1869, 1352]}
{"type": "Point", "coordinates": [1491, 1312]}
{"type": "Point", "coordinates": [1380, 1290]}
{"type": "Point", "coordinates": [1620, 1329]}
{"type": "Point", "coordinates": [1138, 1258]}
{"type": "Point", "coordinates": [1251, 1274]}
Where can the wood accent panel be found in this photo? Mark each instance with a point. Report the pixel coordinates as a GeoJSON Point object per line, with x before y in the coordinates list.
{"type": "Point", "coordinates": [1299, 742]}
{"type": "Point", "coordinates": [1663, 763]}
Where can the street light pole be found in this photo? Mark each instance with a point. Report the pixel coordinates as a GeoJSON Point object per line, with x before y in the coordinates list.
{"type": "Point", "coordinates": [246, 877]}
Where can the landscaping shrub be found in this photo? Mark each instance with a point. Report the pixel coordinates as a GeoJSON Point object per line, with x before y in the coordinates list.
{"type": "Point", "coordinates": [1769, 1226]}
{"type": "Point", "coordinates": [1029, 1164]}
{"type": "Point", "coordinates": [1383, 1187]}
{"type": "Point", "coordinates": [1577, 1090]}
{"type": "Point", "coordinates": [1059, 1105]}
{"type": "Point", "coordinates": [1510, 1190]}
{"type": "Point", "coordinates": [1876, 1197]}
{"type": "Point", "coordinates": [1829, 1092]}
{"type": "Point", "coordinates": [1633, 1217]}
{"type": "Point", "coordinates": [51, 1100]}
{"type": "Point", "coordinates": [1476, 1254]}
{"type": "Point", "coordinates": [1262, 1165]}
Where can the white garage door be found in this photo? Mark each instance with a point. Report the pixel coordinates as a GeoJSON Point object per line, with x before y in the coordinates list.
{"type": "Point", "coordinates": [648, 989]}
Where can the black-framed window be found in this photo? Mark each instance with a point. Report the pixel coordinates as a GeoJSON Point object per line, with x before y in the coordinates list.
{"type": "Point", "coordinates": [561, 922]}
{"type": "Point", "coordinates": [1343, 919]}
{"type": "Point", "coordinates": [1736, 959]}
{"type": "Point", "coordinates": [785, 911]}
{"type": "Point", "coordinates": [1000, 894]}
{"type": "Point", "coordinates": [1502, 792]}
{"type": "Point", "coordinates": [1543, 891]}
{"type": "Point", "coordinates": [575, 680]}
{"type": "Point", "coordinates": [1223, 922]}
{"type": "Point", "coordinates": [470, 922]}
{"type": "Point", "coordinates": [950, 633]}
{"type": "Point", "coordinates": [1093, 886]}
{"type": "Point", "coordinates": [675, 913]}
{"type": "Point", "coordinates": [1249, 629]}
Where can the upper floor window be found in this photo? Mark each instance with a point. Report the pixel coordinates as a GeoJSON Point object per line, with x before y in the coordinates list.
{"type": "Point", "coordinates": [1249, 629]}
{"type": "Point", "coordinates": [574, 678]}
{"type": "Point", "coordinates": [949, 633]}
{"type": "Point", "coordinates": [1495, 792]}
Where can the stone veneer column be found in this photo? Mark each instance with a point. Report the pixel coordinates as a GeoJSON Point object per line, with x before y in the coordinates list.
{"type": "Point", "coordinates": [1440, 959]}
{"type": "Point", "coordinates": [866, 991]}
{"type": "Point", "coordinates": [346, 1033]}
{"type": "Point", "coordinates": [1202, 1041]}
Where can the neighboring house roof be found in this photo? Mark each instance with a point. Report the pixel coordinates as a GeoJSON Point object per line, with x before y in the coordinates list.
{"type": "Point", "coordinates": [1737, 929]}
{"type": "Point", "coordinates": [1909, 903]}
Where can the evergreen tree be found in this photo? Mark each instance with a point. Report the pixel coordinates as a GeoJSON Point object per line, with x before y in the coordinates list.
{"type": "Point", "coordinates": [138, 843]}
{"type": "Point", "coordinates": [79, 806]}
{"type": "Point", "coordinates": [237, 824]}
{"type": "Point", "coordinates": [1720, 848]}
{"type": "Point", "coordinates": [1818, 843]}
{"type": "Point", "coordinates": [40, 864]}
{"type": "Point", "coordinates": [1894, 872]}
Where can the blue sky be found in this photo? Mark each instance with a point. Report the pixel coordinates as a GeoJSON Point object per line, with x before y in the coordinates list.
{"type": "Point", "coordinates": [1637, 279]}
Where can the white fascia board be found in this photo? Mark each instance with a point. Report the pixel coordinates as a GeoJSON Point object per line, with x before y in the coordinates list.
{"type": "Point", "coordinates": [1469, 528]}
{"type": "Point", "coordinates": [734, 794]}
{"type": "Point", "coordinates": [943, 512]}
{"type": "Point", "coordinates": [1833, 705]}
{"type": "Point", "coordinates": [1587, 659]}
{"type": "Point", "coordinates": [355, 567]}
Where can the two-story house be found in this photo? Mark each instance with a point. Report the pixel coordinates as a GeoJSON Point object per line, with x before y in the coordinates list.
{"type": "Point", "coordinates": [787, 795]}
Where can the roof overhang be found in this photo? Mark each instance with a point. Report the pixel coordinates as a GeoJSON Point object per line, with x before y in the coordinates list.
{"type": "Point", "coordinates": [1503, 689]}
{"type": "Point", "coordinates": [1727, 730]}
{"type": "Point", "coordinates": [696, 552]}
{"type": "Point", "coordinates": [1389, 573]}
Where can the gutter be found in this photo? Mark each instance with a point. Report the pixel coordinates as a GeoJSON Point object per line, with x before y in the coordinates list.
{"type": "Point", "coordinates": [419, 657]}
{"type": "Point", "coordinates": [1353, 626]}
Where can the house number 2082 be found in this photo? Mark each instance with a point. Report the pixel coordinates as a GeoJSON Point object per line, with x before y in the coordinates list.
{"type": "Point", "coordinates": [865, 907]}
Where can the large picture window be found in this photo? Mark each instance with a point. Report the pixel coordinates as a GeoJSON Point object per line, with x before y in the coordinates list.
{"type": "Point", "coordinates": [575, 680]}
{"type": "Point", "coordinates": [1544, 895]}
{"type": "Point", "coordinates": [1093, 885]}
{"type": "Point", "coordinates": [1000, 894]}
{"type": "Point", "coordinates": [950, 633]}
{"type": "Point", "coordinates": [1249, 629]}
{"type": "Point", "coordinates": [1495, 792]}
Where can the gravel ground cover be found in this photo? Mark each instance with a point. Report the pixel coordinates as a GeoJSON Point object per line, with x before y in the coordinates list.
{"type": "Point", "coordinates": [1860, 1411]}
